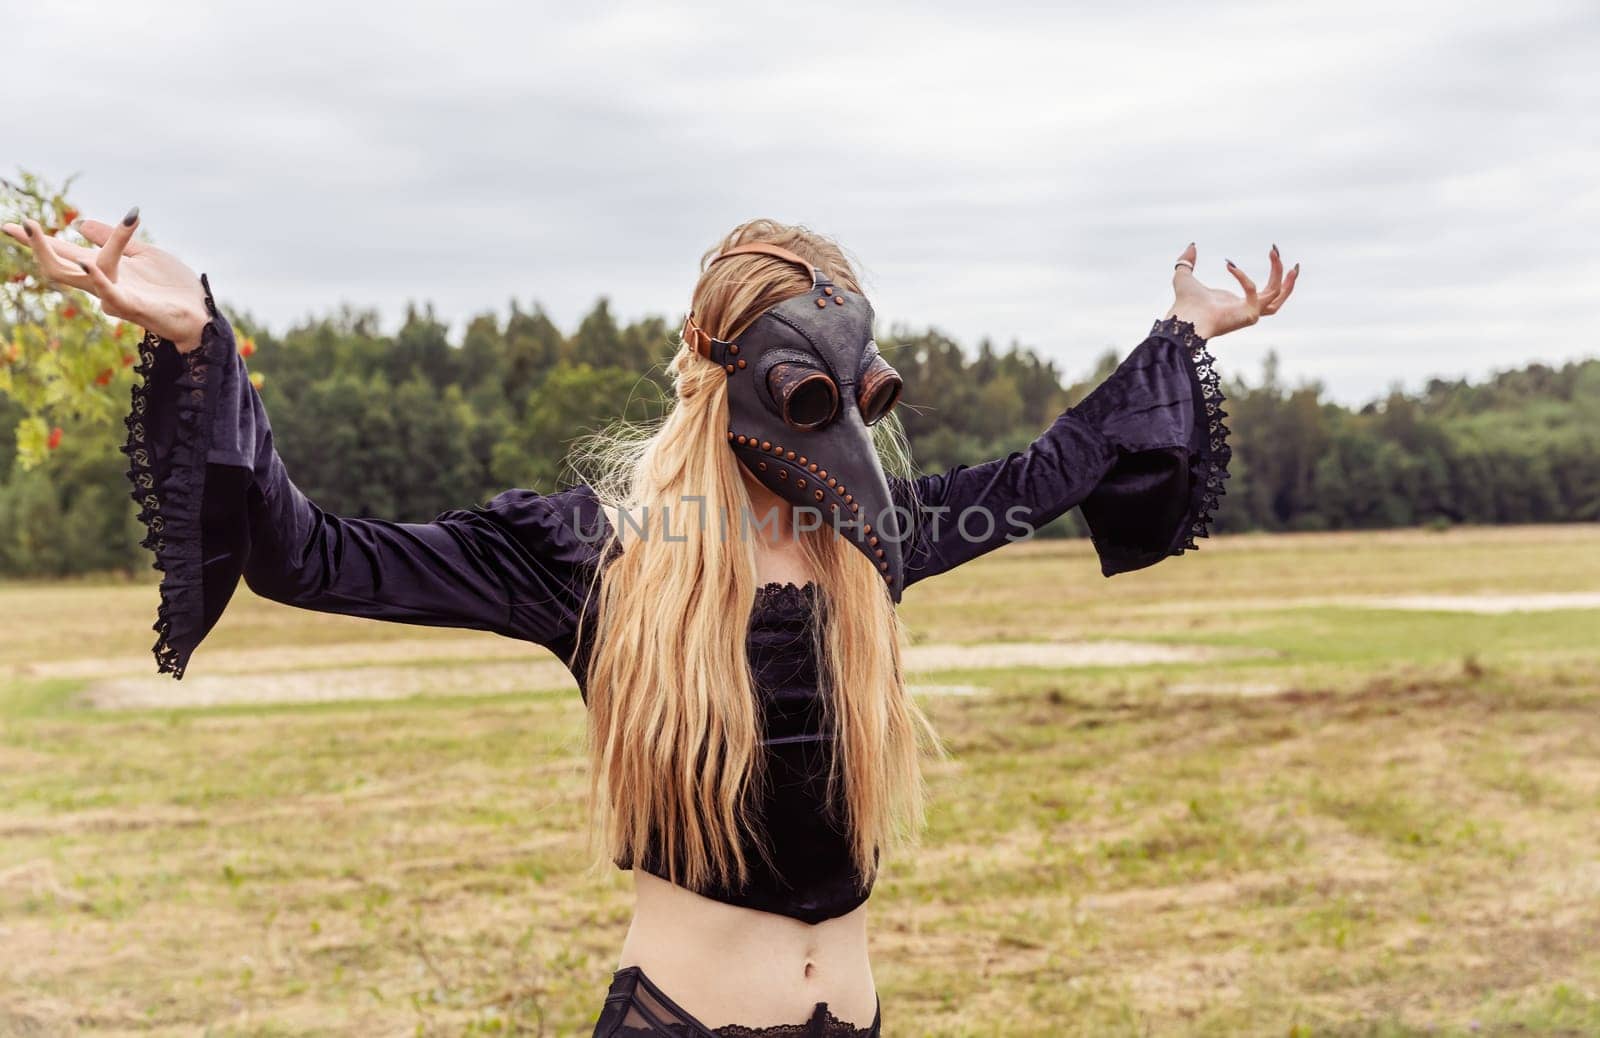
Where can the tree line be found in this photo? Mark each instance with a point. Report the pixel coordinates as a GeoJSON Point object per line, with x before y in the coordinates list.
{"type": "Point", "coordinates": [405, 425]}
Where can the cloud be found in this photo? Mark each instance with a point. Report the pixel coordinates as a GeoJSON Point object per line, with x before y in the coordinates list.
{"type": "Point", "coordinates": [1005, 170]}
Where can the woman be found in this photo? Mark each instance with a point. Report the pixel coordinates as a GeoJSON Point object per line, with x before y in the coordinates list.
{"type": "Point", "coordinates": [723, 589]}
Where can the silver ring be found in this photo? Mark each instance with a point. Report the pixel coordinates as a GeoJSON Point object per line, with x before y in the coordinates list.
{"type": "Point", "coordinates": [1183, 263]}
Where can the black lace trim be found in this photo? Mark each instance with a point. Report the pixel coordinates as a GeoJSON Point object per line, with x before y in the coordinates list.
{"type": "Point", "coordinates": [168, 483]}
{"type": "Point", "coordinates": [786, 603]}
{"type": "Point", "coordinates": [781, 593]}
{"type": "Point", "coordinates": [828, 1026]}
{"type": "Point", "coordinates": [823, 1025]}
{"type": "Point", "coordinates": [1209, 467]}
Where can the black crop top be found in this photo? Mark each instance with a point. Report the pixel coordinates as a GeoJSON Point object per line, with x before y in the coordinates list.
{"type": "Point", "coordinates": [1144, 456]}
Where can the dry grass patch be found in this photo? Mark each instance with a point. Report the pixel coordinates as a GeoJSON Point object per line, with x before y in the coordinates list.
{"type": "Point", "coordinates": [1357, 822]}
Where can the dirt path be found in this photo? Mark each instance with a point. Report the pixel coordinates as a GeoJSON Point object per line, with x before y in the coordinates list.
{"type": "Point", "coordinates": [404, 668]}
{"type": "Point", "coordinates": [1490, 603]}
{"type": "Point", "coordinates": [217, 682]}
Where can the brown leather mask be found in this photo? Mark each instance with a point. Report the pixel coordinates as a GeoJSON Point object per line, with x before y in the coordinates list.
{"type": "Point", "coordinates": [805, 382]}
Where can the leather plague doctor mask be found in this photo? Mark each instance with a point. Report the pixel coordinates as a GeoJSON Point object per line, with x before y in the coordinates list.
{"type": "Point", "coordinates": [805, 383]}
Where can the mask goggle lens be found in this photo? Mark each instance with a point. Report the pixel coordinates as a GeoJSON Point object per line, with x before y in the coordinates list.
{"type": "Point", "coordinates": [807, 398]}
{"type": "Point", "coordinates": [879, 392]}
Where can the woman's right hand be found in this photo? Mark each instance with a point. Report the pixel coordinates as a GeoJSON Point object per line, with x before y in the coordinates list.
{"type": "Point", "coordinates": [134, 281]}
{"type": "Point", "coordinates": [1214, 312]}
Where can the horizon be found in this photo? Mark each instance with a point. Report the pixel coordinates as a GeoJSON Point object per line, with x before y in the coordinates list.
{"type": "Point", "coordinates": [455, 326]}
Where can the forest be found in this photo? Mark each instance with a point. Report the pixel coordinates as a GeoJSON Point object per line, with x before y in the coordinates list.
{"type": "Point", "coordinates": [409, 423]}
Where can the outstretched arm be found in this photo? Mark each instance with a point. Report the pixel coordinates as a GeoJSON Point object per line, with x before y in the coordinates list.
{"type": "Point", "coordinates": [219, 504]}
{"type": "Point", "coordinates": [1145, 454]}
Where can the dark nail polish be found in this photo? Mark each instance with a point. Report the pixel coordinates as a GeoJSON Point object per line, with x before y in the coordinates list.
{"type": "Point", "coordinates": [133, 214]}
{"type": "Point", "coordinates": [1274, 248]}
{"type": "Point", "coordinates": [1230, 264]}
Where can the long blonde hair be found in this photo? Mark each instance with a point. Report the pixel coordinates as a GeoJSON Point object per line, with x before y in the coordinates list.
{"type": "Point", "coordinates": [674, 722]}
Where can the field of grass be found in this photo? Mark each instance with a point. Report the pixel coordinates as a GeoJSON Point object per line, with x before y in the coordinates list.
{"type": "Point", "coordinates": [1367, 821]}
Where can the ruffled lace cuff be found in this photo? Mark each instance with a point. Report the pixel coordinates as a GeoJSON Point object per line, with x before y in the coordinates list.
{"type": "Point", "coordinates": [1162, 411]}
{"type": "Point", "coordinates": [170, 433]}
{"type": "Point", "coordinates": [1208, 464]}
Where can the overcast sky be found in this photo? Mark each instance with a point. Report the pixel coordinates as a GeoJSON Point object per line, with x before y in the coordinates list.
{"type": "Point", "coordinates": [1021, 171]}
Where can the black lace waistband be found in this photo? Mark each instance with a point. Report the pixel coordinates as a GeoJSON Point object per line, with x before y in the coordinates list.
{"type": "Point", "coordinates": [636, 1008]}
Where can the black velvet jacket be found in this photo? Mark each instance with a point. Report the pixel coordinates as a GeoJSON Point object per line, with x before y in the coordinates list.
{"type": "Point", "coordinates": [1144, 456]}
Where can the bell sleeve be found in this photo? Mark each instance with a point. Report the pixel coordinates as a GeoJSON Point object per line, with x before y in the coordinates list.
{"type": "Point", "coordinates": [1144, 456]}
{"type": "Point", "coordinates": [218, 505]}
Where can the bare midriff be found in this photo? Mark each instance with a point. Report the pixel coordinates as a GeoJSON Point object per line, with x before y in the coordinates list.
{"type": "Point", "coordinates": [730, 965]}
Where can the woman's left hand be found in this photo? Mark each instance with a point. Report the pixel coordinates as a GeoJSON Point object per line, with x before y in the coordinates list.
{"type": "Point", "coordinates": [1215, 312]}
{"type": "Point", "coordinates": [134, 281]}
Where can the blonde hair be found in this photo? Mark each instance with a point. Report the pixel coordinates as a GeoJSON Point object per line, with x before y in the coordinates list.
{"type": "Point", "coordinates": [674, 724]}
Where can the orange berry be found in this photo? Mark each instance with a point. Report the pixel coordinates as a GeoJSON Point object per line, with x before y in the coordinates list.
{"type": "Point", "coordinates": [68, 215]}
{"type": "Point", "coordinates": [104, 377]}
{"type": "Point", "coordinates": [69, 311]}
{"type": "Point", "coordinates": [55, 438]}
{"type": "Point", "coordinates": [127, 360]}
{"type": "Point", "coordinates": [247, 348]}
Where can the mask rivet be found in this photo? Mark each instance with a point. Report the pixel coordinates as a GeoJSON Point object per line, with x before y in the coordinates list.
{"type": "Point", "coordinates": [821, 303]}
{"type": "Point", "coordinates": [777, 450]}
{"type": "Point", "coordinates": [800, 483]}
{"type": "Point", "coordinates": [802, 458]}
{"type": "Point", "coordinates": [761, 466]}
{"type": "Point", "coordinates": [741, 440]}
{"type": "Point", "coordinates": [827, 290]}
{"type": "Point", "coordinates": [741, 362]}
{"type": "Point", "coordinates": [766, 445]}
{"type": "Point", "coordinates": [833, 482]}
{"type": "Point", "coordinates": [849, 499]}
{"type": "Point", "coordinates": [855, 507]}
{"type": "Point", "coordinates": [872, 541]}
{"type": "Point", "coordinates": [823, 474]}
{"type": "Point", "coordinates": [730, 435]}
{"type": "Point", "coordinates": [811, 467]}
{"type": "Point", "coordinates": [867, 528]}
{"type": "Point", "coordinates": [878, 553]}
{"type": "Point", "coordinates": [884, 566]}
{"type": "Point", "coordinates": [818, 495]}
{"type": "Point", "coordinates": [729, 367]}
{"type": "Point", "coordinates": [783, 473]}
{"type": "Point", "coordinates": [790, 455]}
{"type": "Point", "coordinates": [733, 348]}
{"type": "Point", "coordinates": [839, 300]}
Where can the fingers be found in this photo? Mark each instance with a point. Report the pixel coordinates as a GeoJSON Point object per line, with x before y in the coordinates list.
{"type": "Point", "coordinates": [1183, 268]}
{"type": "Point", "coordinates": [51, 264]}
{"type": "Point", "coordinates": [112, 298]}
{"type": "Point", "coordinates": [1283, 296]}
{"type": "Point", "coordinates": [101, 233]}
{"type": "Point", "coordinates": [70, 252]}
{"type": "Point", "coordinates": [18, 232]}
{"type": "Point", "coordinates": [1274, 278]}
{"type": "Point", "coordinates": [111, 253]}
{"type": "Point", "coordinates": [1251, 300]}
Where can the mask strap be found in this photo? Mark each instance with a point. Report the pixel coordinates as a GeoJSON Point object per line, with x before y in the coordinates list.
{"type": "Point", "coordinates": [777, 252]}
{"type": "Point", "coordinates": [696, 337]}
{"type": "Point", "coordinates": [703, 343]}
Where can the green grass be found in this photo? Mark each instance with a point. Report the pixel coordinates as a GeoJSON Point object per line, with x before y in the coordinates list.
{"type": "Point", "coordinates": [1383, 824]}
